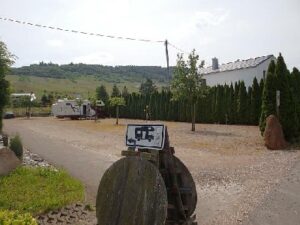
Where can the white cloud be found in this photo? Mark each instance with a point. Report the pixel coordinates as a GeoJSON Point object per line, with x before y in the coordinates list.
{"type": "Point", "coordinates": [55, 43]}
{"type": "Point", "coordinates": [95, 58]}
{"type": "Point", "coordinates": [210, 18]}
{"type": "Point", "coordinates": [201, 22]}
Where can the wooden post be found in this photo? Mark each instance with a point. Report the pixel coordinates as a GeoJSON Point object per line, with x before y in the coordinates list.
{"type": "Point", "coordinates": [193, 111]}
{"type": "Point", "coordinates": [117, 115]}
{"type": "Point", "coordinates": [167, 57]}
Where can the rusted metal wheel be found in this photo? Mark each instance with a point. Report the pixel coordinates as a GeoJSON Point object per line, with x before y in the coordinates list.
{"type": "Point", "coordinates": [132, 192]}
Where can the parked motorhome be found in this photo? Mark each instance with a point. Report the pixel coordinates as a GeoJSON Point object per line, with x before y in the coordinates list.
{"type": "Point", "coordinates": [74, 109]}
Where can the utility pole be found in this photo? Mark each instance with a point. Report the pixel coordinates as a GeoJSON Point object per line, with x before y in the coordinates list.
{"type": "Point", "coordinates": [167, 57]}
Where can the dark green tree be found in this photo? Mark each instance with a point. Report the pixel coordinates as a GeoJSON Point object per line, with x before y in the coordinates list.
{"type": "Point", "coordinates": [115, 91]}
{"type": "Point", "coordinates": [242, 104]}
{"type": "Point", "coordinates": [295, 77]}
{"type": "Point", "coordinates": [101, 94]}
{"type": "Point", "coordinates": [255, 103]}
{"type": "Point", "coordinates": [147, 87]}
{"type": "Point", "coordinates": [125, 92]}
{"type": "Point", "coordinates": [268, 105]}
{"type": "Point", "coordinates": [44, 100]}
{"type": "Point", "coordinates": [6, 60]}
{"type": "Point", "coordinates": [287, 109]}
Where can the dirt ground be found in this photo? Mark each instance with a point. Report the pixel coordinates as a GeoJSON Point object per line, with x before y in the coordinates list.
{"type": "Point", "coordinates": [232, 169]}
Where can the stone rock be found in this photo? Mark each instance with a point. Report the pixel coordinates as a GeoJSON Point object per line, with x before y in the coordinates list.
{"type": "Point", "coordinates": [273, 135]}
{"type": "Point", "coordinates": [8, 161]}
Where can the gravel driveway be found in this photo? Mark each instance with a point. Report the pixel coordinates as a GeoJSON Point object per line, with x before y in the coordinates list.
{"type": "Point", "coordinates": [233, 171]}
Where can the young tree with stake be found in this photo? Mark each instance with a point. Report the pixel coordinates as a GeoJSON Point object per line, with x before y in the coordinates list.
{"type": "Point", "coordinates": [117, 102]}
{"type": "Point", "coordinates": [187, 84]}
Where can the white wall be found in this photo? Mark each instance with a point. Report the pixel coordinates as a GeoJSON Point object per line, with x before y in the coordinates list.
{"type": "Point", "coordinates": [247, 75]}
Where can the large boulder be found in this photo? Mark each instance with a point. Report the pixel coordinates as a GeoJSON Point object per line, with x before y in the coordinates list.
{"type": "Point", "coordinates": [273, 135]}
{"type": "Point", "coordinates": [8, 161]}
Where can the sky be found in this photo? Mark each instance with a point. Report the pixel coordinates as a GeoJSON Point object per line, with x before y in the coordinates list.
{"type": "Point", "coordinates": [226, 29]}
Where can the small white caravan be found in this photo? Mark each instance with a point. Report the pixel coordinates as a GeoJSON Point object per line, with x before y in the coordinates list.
{"type": "Point", "coordinates": [74, 109]}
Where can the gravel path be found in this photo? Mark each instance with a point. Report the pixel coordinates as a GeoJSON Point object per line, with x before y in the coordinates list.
{"type": "Point", "coordinates": [233, 171]}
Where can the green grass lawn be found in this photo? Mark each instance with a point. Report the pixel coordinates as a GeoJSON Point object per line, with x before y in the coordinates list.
{"type": "Point", "coordinates": [38, 190]}
{"type": "Point", "coordinates": [83, 85]}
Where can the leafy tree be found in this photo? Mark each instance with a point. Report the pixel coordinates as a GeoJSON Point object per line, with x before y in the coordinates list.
{"type": "Point", "coordinates": [147, 87]}
{"type": "Point", "coordinates": [6, 60]}
{"type": "Point", "coordinates": [117, 102]}
{"type": "Point", "coordinates": [187, 84]}
{"type": "Point", "coordinates": [115, 91]}
{"type": "Point", "coordinates": [101, 94]}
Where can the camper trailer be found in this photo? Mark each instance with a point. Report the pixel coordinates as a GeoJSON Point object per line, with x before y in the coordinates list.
{"type": "Point", "coordinates": [74, 109]}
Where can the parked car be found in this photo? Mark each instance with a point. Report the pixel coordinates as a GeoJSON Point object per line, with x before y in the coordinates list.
{"type": "Point", "coordinates": [9, 115]}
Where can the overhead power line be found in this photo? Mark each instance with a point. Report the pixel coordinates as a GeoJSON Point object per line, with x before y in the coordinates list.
{"type": "Point", "coordinates": [87, 33]}
{"type": "Point", "coordinates": [77, 31]}
{"type": "Point", "coordinates": [179, 49]}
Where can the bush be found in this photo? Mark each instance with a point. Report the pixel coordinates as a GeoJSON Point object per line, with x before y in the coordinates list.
{"type": "Point", "coordinates": [38, 190]}
{"type": "Point", "coordinates": [16, 146]}
{"type": "Point", "coordinates": [14, 217]}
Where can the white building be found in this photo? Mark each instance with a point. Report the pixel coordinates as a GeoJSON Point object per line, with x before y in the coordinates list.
{"type": "Point", "coordinates": [231, 72]}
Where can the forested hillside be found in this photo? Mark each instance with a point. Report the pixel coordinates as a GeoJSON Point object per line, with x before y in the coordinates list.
{"type": "Point", "coordinates": [115, 74]}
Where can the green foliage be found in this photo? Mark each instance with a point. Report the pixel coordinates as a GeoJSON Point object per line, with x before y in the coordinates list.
{"type": "Point", "coordinates": [16, 146]}
{"type": "Point", "coordinates": [218, 105]}
{"type": "Point", "coordinates": [101, 94]}
{"type": "Point", "coordinates": [47, 100]}
{"type": "Point", "coordinates": [268, 106]}
{"type": "Point", "coordinates": [16, 218]}
{"type": "Point", "coordinates": [288, 109]}
{"type": "Point", "coordinates": [279, 78]}
{"type": "Point", "coordinates": [6, 60]}
{"type": "Point", "coordinates": [187, 84]}
{"type": "Point", "coordinates": [38, 190]}
{"type": "Point", "coordinates": [115, 91]}
{"type": "Point", "coordinates": [117, 102]}
{"type": "Point", "coordinates": [147, 87]}
{"type": "Point", "coordinates": [105, 73]}
{"type": "Point", "coordinates": [125, 92]}
{"type": "Point", "coordinates": [295, 87]}
{"type": "Point", "coordinates": [242, 104]}
{"type": "Point", "coordinates": [255, 102]}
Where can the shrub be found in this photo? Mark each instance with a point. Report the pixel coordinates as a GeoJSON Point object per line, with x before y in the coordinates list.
{"type": "Point", "coordinates": [16, 146]}
{"type": "Point", "coordinates": [14, 217]}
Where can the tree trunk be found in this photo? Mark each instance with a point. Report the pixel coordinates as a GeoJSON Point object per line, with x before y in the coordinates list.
{"type": "Point", "coordinates": [193, 111]}
{"type": "Point", "coordinates": [117, 115]}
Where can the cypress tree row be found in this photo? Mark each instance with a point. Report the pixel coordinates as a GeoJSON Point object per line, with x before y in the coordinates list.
{"type": "Point", "coordinates": [255, 102]}
{"type": "Point", "coordinates": [268, 106]}
{"type": "Point", "coordinates": [222, 104]}
{"type": "Point", "coordinates": [229, 104]}
{"type": "Point", "coordinates": [288, 108]}
{"type": "Point", "coordinates": [295, 87]}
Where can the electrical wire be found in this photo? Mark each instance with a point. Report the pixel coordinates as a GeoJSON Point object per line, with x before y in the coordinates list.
{"type": "Point", "coordinates": [88, 33]}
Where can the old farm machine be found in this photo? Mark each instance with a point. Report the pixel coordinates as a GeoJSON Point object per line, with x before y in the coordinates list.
{"type": "Point", "coordinates": [149, 185]}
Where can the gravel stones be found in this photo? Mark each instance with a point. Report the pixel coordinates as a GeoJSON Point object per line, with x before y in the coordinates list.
{"type": "Point", "coordinates": [32, 159]}
{"type": "Point", "coordinates": [78, 214]}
